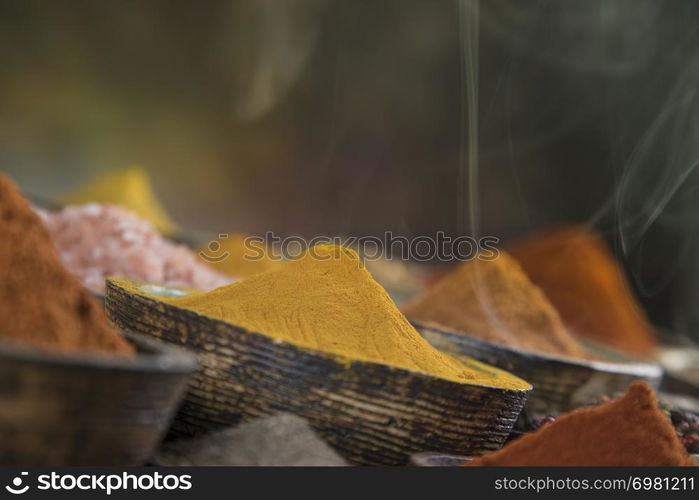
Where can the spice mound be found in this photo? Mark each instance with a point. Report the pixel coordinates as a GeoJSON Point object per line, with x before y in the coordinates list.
{"type": "Point", "coordinates": [41, 304]}
{"type": "Point", "coordinates": [494, 300]}
{"type": "Point", "coordinates": [630, 431]}
{"type": "Point", "coordinates": [327, 300]}
{"type": "Point", "coordinates": [238, 256]}
{"type": "Point", "coordinates": [581, 278]}
{"type": "Point", "coordinates": [130, 188]}
{"type": "Point", "coordinates": [97, 241]}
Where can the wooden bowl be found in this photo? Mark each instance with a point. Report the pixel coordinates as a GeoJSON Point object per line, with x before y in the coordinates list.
{"type": "Point", "coordinates": [560, 384]}
{"type": "Point", "coordinates": [370, 413]}
{"type": "Point", "coordinates": [88, 410]}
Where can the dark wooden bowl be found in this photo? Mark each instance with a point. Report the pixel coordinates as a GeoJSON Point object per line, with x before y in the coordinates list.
{"type": "Point", "coordinates": [560, 384]}
{"type": "Point", "coordinates": [371, 413]}
{"type": "Point", "coordinates": [88, 410]}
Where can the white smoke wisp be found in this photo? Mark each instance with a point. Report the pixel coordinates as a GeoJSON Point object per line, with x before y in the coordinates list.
{"type": "Point", "coordinates": [267, 45]}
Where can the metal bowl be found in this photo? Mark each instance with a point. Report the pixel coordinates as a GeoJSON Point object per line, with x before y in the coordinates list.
{"type": "Point", "coordinates": [681, 365]}
{"type": "Point", "coordinates": [88, 410]}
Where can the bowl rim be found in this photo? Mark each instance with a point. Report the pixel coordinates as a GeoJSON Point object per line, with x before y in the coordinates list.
{"type": "Point", "coordinates": [336, 358]}
{"type": "Point", "coordinates": [159, 357]}
{"type": "Point", "coordinates": [687, 354]}
{"type": "Point", "coordinates": [633, 367]}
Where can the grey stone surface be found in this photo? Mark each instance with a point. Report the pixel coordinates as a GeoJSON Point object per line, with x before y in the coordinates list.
{"type": "Point", "coordinates": [281, 440]}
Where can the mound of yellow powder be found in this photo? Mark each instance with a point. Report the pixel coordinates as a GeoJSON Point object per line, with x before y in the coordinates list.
{"type": "Point", "coordinates": [130, 188]}
{"type": "Point", "coordinates": [496, 301]}
{"type": "Point", "coordinates": [236, 256]}
{"type": "Point", "coordinates": [327, 300]}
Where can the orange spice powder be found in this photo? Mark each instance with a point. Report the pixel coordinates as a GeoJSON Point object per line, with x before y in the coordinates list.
{"type": "Point", "coordinates": [495, 300]}
{"type": "Point", "coordinates": [583, 281]}
{"type": "Point", "coordinates": [629, 431]}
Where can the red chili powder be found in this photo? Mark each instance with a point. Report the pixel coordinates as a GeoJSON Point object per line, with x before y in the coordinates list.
{"type": "Point", "coordinates": [583, 281]}
{"type": "Point", "coordinates": [41, 303]}
{"type": "Point", "coordinates": [629, 431]}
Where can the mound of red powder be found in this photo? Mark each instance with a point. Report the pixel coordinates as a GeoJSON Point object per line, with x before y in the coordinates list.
{"type": "Point", "coordinates": [41, 303]}
{"type": "Point", "coordinates": [629, 431]}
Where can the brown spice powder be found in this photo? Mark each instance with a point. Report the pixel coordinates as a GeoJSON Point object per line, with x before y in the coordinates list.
{"type": "Point", "coordinates": [581, 278]}
{"type": "Point", "coordinates": [41, 303]}
{"type": "Point", "coordinates": [494, 300]}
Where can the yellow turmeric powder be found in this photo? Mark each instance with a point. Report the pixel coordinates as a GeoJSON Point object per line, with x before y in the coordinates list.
{"type": "Point", "coordinates": [130, 188]}
{"type": "Point", "coordinates": [327, 300]}
{"type": "Point", "coordinates": [494, 300]}
{"type": "Point", "coordinates": [229, 254]}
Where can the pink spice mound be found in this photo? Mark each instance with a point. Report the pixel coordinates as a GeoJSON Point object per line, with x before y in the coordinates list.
{"type": "Point", "coordinates": [98, 241]}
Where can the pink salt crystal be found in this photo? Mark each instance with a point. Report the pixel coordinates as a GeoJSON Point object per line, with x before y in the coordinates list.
{"type": "Point", "coordinates": [98, 241]}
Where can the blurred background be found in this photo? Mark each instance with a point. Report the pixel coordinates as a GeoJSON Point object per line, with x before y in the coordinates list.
{"type": "Point", "coordinates": [328, 117]}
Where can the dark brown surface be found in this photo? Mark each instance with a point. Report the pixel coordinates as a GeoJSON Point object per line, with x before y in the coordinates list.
{"type": "Point", "coordinates": [370, 413]}
{"type": "Point", "coordinates": [88, 411]}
